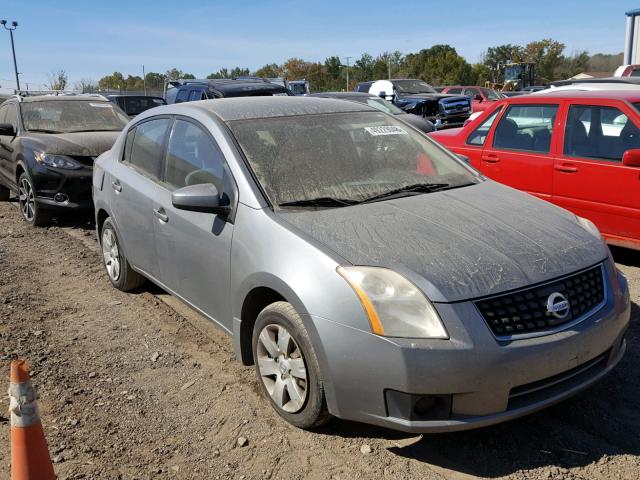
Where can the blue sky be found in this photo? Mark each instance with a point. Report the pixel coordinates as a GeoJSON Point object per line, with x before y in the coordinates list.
{"type": "Point", "coordinates": [201, 37]}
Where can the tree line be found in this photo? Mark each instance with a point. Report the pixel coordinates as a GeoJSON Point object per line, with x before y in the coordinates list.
{"type": "Point", "coordinates": [437, 65]}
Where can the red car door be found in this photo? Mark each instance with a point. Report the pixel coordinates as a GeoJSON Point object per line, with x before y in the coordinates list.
{"type": "Point", "coordinates": [589, 177]}
{"type": "Point", "coordinates": [519, 149]}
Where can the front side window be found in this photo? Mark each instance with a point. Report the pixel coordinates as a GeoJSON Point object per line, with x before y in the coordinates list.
{"type": "Point", "coordinates": [526, 128]}
{"type": "Point", "coordinates": [147, 147]}
{"type": "Point", "coordinates": [12, 116]}
{"type": "Point", "coordinates": [343, 158]}
{"type": "Point", "coordinates": [68, 116]}
{"type": "Point", "coordinates": [183, 95]}
{"type": "Point", "coordinates": [479, 135]}
{"type": "Point", "coordinates": [192, 157]}
{"type": "Point", "coordinates": [472, 92]}
{"type": "Point", "coordinates": [490, 94]}
{"type": "Point", "coordinates": [599, 132]}
{"type": "Point", "coordinates": [455, 91]}
{"type": "Point", "coordinates": [3, 113]}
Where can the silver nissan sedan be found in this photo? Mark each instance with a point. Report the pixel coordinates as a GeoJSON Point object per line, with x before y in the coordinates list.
{"type": "Point", "coordinates": [366, 272]}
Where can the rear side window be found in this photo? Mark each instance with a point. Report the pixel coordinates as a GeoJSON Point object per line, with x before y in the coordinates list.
{"type": "Point", "coordinates": [526, 128]}
{"type": "Point", "coordinates": [599, 132]}
{"type": "Point", "coordinates": [479, 135]}
{"type": "Point", "coordinates": [148, 146]}
{"type": "Point", "coordinates": [193, 157]}
{"type": "Point", "coordinates": [454, 91]}
{"type": "Point", "coordinates": [183, 95]}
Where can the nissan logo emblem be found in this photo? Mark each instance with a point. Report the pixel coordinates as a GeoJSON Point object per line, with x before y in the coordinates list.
{"type": "Point", "coordinates": [558, 305]}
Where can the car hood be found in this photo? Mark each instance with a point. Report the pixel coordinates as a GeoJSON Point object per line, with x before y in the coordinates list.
{"type": "Point", "coordinates": [416, 121]}
{"type": "Point", "coordinates": [80, 144]}
{"type": "Point", "coordinates": [459, 244]}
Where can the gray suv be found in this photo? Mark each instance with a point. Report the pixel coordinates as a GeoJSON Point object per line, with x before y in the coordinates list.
{"type": "Point", "coordinates": [366, 271]}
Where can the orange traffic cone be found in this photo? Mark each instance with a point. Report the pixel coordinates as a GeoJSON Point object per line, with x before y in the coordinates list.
{"type": "Point", "coordinates": [30, 458]}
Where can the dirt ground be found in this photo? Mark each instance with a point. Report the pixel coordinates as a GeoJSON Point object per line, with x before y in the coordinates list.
{"type": "Point", "coordinates": [137, 386]}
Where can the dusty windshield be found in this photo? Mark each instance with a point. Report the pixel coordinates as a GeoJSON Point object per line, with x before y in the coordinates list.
{"type": "Point", "coordinates": [346, 158]}
{"type": "Point", "coordinates": [412, 87]}
{"type": "Point", "coordinates": [60, 116]}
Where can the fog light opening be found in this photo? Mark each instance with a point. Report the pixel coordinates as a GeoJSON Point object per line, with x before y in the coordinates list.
{"type": "Point", "coordinates": [60, 198]}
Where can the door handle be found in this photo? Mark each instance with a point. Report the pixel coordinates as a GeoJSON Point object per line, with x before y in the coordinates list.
{"type": "Point", "coordinates": [161, 215]}
{"type": "Point", "coordinates": [116, 186]}
{"type": "Point", "coordinates": [566, 168]}
{"type": "Point", "coordinates": [490, 158]}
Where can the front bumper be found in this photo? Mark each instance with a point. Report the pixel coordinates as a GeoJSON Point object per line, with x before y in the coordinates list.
{"type": "Point", "coordinates": [63, 189]}
{"type": "Point", "coordinates": [485, 381]}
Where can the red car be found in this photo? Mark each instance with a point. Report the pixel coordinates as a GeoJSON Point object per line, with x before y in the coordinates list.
{"type": "Point", "coordinates": [577, 149]}
{"type": "Point", "coordinates": [481, 97]}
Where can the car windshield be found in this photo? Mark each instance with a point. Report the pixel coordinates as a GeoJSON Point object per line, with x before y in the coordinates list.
{"type": "Point", "coordinates": [298, 88]}
{"type": "Point", "coordinates": [340, 159]}
{"type": "Point", "coordinates": [491, 94]}
{"type": "Point", "coordinates": [410, 87]}
{"type": "Point", "coordinates": [383, 105]}
{"type": "Point", "coordinates": [60, 116]}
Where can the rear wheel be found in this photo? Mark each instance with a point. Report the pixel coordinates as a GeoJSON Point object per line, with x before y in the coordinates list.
{"type": "Point", "coordinates": [31, 211]}
{"type": "Point", "coordinates": [120, 273]}
{"type": "Point", "coordinates": [287, 366]}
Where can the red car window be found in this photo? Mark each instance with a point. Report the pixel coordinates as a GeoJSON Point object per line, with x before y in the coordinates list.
{"type": "Point", "coordinates": [526, 127]}
{"type": "Point", "coordinates": [479, 135]}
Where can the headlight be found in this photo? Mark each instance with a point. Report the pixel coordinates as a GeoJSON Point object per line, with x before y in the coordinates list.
{"type": "Point", "coordinates": [590, 227]}
{"type": "Point", "coordinates": [394, 305]}
{"type": "Point", "coordinates": [57, 161]}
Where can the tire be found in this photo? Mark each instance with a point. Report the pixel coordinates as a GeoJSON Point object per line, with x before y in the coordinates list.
{"type": "Point", "coordinates": [31, 212]}
{"type": "Point", "coordinates": [282, 380]}
{"type": "Point", "coordinates": [120, 273]}
{"type": "Point", "coordinates": [5, 194]}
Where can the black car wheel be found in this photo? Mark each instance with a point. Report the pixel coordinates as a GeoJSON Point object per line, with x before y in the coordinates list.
{"type": "Point", "coordinates": [29, 208]}
{"type": "Point", "coordinates": [287, 366]}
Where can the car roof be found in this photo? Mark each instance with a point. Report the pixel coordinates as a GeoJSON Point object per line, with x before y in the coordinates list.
{"type": "Point", "coordinates": [244, 108]}
{"type": "Point", "coordinates": [60, 98]}
{"type": "Point", "coordinates": [629, 95]}
{"type": "Point", "coordinates": [342, 95]}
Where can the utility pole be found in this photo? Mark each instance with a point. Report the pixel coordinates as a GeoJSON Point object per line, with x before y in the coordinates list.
{"type": "Point", "coordinates": [144, 80]}
{"type": "Point", "coordinates": [389, 67]}
{"type": "Point", "coordinates": [348, 58]}
{"type": "Point", "coordinates": [14, 25]}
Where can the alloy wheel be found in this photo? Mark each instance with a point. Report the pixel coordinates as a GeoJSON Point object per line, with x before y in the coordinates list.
{"type": "Point", "coordinates": [282, 368]}
{"type": "Point", "coordinates": [27, 200]}
{"type": "Point", "coordinates": [111, 254]}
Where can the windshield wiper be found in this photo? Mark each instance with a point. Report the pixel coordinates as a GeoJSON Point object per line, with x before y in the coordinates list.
{"type": "Point", "coordinates": [327, 202]}
{"type": "Point", "coordinates": [407, 190]}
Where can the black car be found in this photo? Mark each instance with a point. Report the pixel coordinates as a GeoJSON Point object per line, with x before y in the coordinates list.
{"type": "Point", "coordinates": [136, 104]}
{"type": "Point", "coordinates": [190, 90]}
{"type": "Point", "coordinates": [47, 148]}
{"type": "Point", "coordinates": [420, 98]}
{"type": "Point", "coordinates": [378, 103]}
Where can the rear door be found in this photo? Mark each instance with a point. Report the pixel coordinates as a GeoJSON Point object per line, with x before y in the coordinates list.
{"type": "Point", "coordinates": [589, 178]}
{"type": "Point", "coordinates": [195, 247]}
{"type": "Point", "coordinates": [134, 183]}
{"type": "Point", "coordinates": [518, 150]}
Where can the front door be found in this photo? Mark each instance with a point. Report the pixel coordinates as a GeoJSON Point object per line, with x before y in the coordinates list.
{"type": "Point", "coordinates": [134, 182]}
{"type": "Point", "coordinates": [8, 114]}
{"type": "Point", "coordinates": [195, 247]}
{"type": "Point", "coordinates": [518, 150]}
{"type": "Point", "coordinates": [589, 178]}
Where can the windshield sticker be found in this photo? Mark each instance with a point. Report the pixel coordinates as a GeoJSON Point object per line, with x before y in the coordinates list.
{"type": "Point", "coordinates": [101, 105]}
{"type": "Point", "coordinates": [385, 130]}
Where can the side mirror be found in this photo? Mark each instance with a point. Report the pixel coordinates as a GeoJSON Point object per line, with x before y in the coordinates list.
{"type": "Point", "coordinates": [201, 198]}
{"type": "Point", "coordinates": [631, 158]}
{"type": "Point", "coordinates": [7, 130]}
{"type": "Point", "coordinates": [383, 95]}
{"type": "Point", "coordinates": [478, 97]}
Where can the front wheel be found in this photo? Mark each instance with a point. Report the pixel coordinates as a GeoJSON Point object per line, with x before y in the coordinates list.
{"type": "Point", "coordinates": [287, 366]}
{"type": "Point", "coordinates": [120, 273]}
{"type": "Point", "coordinates": [31, 211]}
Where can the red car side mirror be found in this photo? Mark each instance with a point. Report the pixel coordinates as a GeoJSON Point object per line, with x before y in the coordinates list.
{"type": "Point", "coordinates": [631, 158]}
{"type": "Point", "coordinates": [478, 97]}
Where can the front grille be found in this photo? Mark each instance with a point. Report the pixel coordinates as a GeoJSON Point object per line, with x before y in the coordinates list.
{"type": "Point", "coordinates": [526, 312]}
{"type": "Point", "coordinates": [458, 105]}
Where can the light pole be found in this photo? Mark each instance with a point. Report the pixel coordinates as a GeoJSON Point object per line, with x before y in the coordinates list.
{"type": "Point", "coordinates": [347, 66]}
{"type": "Point", "coordinates": [13, 26]}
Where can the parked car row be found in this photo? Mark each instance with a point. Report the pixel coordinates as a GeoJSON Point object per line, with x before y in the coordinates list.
{"type": "Point", "coordinates": [365, 270]}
